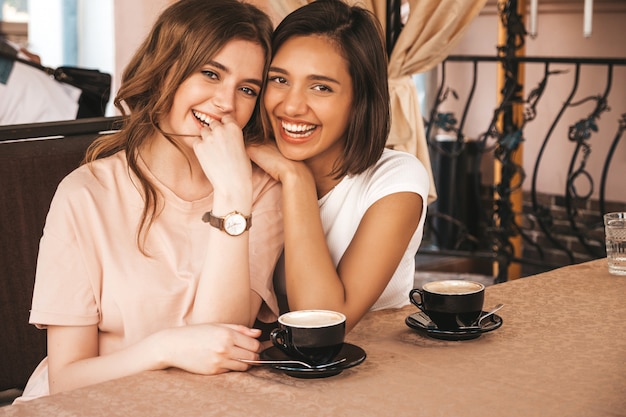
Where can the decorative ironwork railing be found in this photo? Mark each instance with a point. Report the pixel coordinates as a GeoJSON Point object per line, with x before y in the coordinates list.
{"type": "Point", "coordinates": [486, 224]}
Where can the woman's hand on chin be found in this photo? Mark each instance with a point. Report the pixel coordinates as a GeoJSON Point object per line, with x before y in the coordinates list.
{"type": "Point", "coordinates": [268, 157]}
{"type": "Point", "coordinates": [222, 155]}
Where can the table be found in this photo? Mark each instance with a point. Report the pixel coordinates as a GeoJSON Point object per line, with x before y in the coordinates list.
{"type": "Point", "coordinates": [561, 351]}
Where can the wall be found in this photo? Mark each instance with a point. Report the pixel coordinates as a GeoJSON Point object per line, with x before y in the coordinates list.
{"type": "Point", "coordinates": [133, 20]}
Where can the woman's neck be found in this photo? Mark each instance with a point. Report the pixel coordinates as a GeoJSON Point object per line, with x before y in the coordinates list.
{"type": "Point", "coordinates": [322, 166]}
{"type": "Point", "coordinates": [324, 180]}
{"type": "Point", "coordinates": [177, 169]}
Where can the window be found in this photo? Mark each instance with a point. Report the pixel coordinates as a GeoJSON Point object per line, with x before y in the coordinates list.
{"type": "Point", "coordinates": [14, 20]}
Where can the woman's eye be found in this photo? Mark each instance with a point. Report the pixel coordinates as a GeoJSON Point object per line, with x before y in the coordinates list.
{"type": "Point", "coordinates": [323, 88]}
{"type": "Point", "coordinates": [277, 79]}
{"type": "Point", "coordinates": [211, 74]}
{"type": "Point", "coordinates": [250, 91]}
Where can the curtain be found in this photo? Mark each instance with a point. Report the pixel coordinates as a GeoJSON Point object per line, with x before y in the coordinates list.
{"type": "Point", "coordinates": [432, 30]}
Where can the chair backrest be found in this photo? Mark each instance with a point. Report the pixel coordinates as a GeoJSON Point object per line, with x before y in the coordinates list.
{"type": "Point", "coordinates": [30, 170]}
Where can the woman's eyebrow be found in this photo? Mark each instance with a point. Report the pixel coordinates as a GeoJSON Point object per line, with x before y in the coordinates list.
{"type": "Point", "coordinates": [277, 69]}
{"type": "Point", "coordinates": [313, 77]}
{"type": "Point", "coordinates": [221, 67]}
{"type": "Point", "coordinates": [323, 78]}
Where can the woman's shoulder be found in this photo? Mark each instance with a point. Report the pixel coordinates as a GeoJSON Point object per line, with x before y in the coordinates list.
{"type": "Point", "coordinates": [395, 171]}
{"type": "Point", "coordinates": [392, 155]}
{"type": "Point", "coordinates": [400, 162]}
{"type": "Point", "coordinates": [95, 185]}
{"type": "Point", "coordinates": [99, 174]}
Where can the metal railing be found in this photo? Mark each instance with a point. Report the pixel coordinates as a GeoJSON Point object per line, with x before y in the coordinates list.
{"type": "Point", "coordinates": [487, 223]}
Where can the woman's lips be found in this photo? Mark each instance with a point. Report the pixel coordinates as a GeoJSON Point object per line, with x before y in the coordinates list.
{"type": "Point", "coordinates": [205, 119]}
{"type": "Point", "coordinates": [296, 132]}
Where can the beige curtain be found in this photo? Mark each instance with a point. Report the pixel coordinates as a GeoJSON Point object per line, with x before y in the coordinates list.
{"type": "Point", "coordinates": [432, 30]}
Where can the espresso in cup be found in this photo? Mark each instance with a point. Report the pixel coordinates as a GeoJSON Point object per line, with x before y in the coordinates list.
{"type": "Point", "coordinates": [312, 336]}
{"type": "Point", "coordinates": [450, 304]}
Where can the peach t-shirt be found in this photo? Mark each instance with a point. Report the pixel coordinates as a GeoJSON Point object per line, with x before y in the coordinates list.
{"type": "Point", "coordinates": [90, 270]}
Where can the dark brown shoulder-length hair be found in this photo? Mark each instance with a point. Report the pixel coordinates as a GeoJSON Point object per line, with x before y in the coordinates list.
{"type": "Point", "coordinates": [184, 38]}
{"type": "Point", "coordinates": [358, 36]}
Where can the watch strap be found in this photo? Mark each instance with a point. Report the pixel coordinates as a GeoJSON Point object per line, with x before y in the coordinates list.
{"type": "Point", "coordinates": [218, 222]}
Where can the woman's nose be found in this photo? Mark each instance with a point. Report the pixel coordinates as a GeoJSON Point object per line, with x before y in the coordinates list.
{"type": "Point", "coordinates": [295, 102]}
{"type": "Point", "coordinates": [224, 100]}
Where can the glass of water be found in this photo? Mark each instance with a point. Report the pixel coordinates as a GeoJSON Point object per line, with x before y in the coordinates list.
{"type": "Point", "coordinates": [615, 233]}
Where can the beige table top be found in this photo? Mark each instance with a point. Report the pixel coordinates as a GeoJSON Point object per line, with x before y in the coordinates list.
{"type": "Point", "coordinates": [561, 351]}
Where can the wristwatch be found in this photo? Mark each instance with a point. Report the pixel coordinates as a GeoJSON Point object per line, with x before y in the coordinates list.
{"type": "Point", "coordinates": [234, 223]}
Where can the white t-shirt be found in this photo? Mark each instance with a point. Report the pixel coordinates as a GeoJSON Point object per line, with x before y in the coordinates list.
{"type": "Point", "coordinates": [29, 95]}
{"type": "Point", "coordinates": [342, 209]}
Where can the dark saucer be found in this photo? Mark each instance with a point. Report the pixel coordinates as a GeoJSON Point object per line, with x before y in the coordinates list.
{"type": "Point", "coordinates": [353, 355]}
{"type": "Point", "coordinates": [490, 323]}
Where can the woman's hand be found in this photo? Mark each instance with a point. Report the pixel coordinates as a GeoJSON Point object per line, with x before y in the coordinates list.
{"type": "Point", "coordinates": [209, 348]}
{"type": "Point", "coordinates": [222, 155]}
{"type": "Point", "coordinates": [268, 157]}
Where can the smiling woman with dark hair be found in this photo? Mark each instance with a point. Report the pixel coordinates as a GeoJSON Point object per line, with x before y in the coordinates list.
{"type": "Point", "coordinates": [354, 211]}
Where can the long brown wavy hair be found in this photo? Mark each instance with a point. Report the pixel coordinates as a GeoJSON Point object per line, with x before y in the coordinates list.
{"type": "Point", "coordinates": [184, 38]}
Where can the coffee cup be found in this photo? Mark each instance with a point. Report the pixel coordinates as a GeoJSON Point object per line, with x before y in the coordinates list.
{"type": "Point", "coordinates": [312, 336]}
{"type": "Point", "coordinates": [450, 304]}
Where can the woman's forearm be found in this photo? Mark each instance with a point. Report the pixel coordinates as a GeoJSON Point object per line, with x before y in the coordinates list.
{"type": "Point", "coordinates": [311, 276]}
{"type": "Point", "coordinates": [223, 293]}
{"type": "Point", "coordinates": [206, 349]}
{"type": "Point", "coordinates": [64, 376]}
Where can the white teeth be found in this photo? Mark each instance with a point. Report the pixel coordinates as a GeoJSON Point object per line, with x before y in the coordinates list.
{"type": "Point", "coordinates": [298, 130]}
{"type": "Point", "coordinates": [202, 117]}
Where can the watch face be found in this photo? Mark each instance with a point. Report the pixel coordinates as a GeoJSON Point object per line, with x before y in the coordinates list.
{"type": "Point", "coordinates": [235, 224]}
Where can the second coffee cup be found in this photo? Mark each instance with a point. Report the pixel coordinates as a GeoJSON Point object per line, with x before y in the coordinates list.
{"type": "Point", "coordinates": [450, 304]}
{"type": "Point", "coordinates": [313, 336]}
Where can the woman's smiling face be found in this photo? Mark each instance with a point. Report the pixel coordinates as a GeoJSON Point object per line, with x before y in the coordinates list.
{"type": "Point", "coordinates": [308, 99]}
{"type": "Point", "coordinates": [229, 83]}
